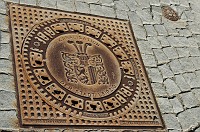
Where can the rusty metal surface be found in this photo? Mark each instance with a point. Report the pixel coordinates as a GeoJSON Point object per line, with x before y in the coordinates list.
{"type": "Point", "coordinates": [79, 70]}
{"type": "Point", "coordinates": [170, 13]}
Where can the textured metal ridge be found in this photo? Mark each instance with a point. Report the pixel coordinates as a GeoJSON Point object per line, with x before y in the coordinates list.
{"type": "Point", "coordinates": [74, 69]}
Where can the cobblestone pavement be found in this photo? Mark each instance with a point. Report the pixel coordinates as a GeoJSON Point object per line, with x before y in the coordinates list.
{"type": "Point", "coordinates": [170, 50]}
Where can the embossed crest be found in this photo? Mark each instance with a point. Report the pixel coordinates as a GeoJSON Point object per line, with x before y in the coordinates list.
{"type": "Point", "coordinates": [75, 69]}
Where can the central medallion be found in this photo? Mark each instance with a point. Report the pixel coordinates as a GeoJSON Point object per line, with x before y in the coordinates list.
{"type": "Point", "coordinates": [83, 65]}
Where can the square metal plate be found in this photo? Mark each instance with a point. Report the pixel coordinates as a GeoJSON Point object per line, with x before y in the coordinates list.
{"type": "Point", "coordinates": [74, 69]}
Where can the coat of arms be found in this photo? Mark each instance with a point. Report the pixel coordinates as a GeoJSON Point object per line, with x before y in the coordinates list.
{"type": "Point", "coordinates": [87, 69]}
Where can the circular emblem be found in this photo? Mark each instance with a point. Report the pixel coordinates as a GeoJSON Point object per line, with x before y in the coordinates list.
{"type": "Point", "coordinates": [80, 69]}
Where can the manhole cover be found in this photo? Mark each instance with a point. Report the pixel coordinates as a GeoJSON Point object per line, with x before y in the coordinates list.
{"type": "Point", "coordinates": [76, 69]}
{"type": "Point", "coordinates": [170, 13]}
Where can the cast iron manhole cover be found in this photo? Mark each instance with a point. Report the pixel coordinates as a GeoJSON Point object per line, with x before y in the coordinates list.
{"type": "Point", "coordinates": [79, 70]}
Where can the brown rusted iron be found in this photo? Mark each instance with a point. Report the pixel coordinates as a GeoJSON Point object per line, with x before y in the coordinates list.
{"type": "Point", "coordinates": [79, 70]}
{"type": "Point", "coordinates": [170, 13]}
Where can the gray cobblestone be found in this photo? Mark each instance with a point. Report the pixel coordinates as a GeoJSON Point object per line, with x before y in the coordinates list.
{"type": "Point", "coordinates": [5, 51]}
{"type": "Point", "coordinates": [134, 18]}
{"type": "Point", "coordinates": [196, 92]}
{"type": "Point", "coordinates": [163, 41]}
{"type": "Point", "coordinates": [149, 60]}
{"type": "Point", "coordinates": [5, 66]}
{"type": "Point", "coordinates": [154, 42]}
{"type": "Point", "coordinates": [171, 87]}
{"type": "Point", "coordinates": [192, 80]}
{"type": "Point", "coordinates": [102, 10]}
{"type": "Point", "coordinates": [171, 121]}
{"type": "Point", "coordinates": [175, 65]}
{"type": "Point", "coordinates": [194, 41]}
{"type": "Point", "coordinates": [155, 2]}
{"type": "Point", "coordinates": [160, 56]}
{"type": "Point", "coordinates": [194, 28]}
{"type": "Point", "coordinates": [161, 30]}
{"type": "Point", "coordinates": [2, 7]}
{"type": "Point", "coordinates": [194, 51]}
{"type": "Point", "coordinates": [30, 2]}
{"type": "Point", "coordinates": [67, 5]}
{"type": "Point", "coordinates": [143, 3]}
{"type": "Point", "coordinates": [122, 14]}
{"type": "Point", "coordinates": [7, 100]}
{"type": "Point", "coordinates": [166, 72]}
{"type": "Point", "coordinates": [186, 119]}
{"type": "Point", "coordinates": [7, 119]}
{"type": "Point", "coordinates": [159, 89]}
{"type": "Point", "coordinates": [195, 113]}
{"type": "Point", "coordinates": [4, 37]}
{"type": "Point", "coordinates": [106, 2]}
{"type": "Point", "coordinates": [189, 100]}
{"type": "Point", "coordinates": [47, 3]}
{"type": "Point", "coordinates": [131, 4]}
{"type": "Point", "coordinates": [187, 64]}
{"type": "Point", "coordinates": [145, 16]}
{"type": "Point", "coordinates": [155, 75]}
{"type": "Point", "coordinates": [196, 62]}
{"type": "Point", "coordinates": [170, 52]}
{"type": "Point", "coordinates": [120, 5]}
{"type": "Point", "coordinates": [150, 30]}
{"type": "Point", "coordinates": [176, 104]}
{"type": "Point", "coordinates": [7, 82]}
{"type": "Point", "coordinates": [165, 105]}
{"type": "Point", "coordinates": [82, 7]}
{"type": "Point", "coordinates": [139, 32]}
{"type": "Point", "coordinates": [181, 82]}
{"type": "Point", "coordinates": [4, 23]}
{"type": "Point", "coordinates": [144, 47]}
{"type": "Point", "coordinates": [165, 2]}
{"type": "Point", "coordinates": [185, 32]}
{"type": "Point", "coordinates": [183, 52]}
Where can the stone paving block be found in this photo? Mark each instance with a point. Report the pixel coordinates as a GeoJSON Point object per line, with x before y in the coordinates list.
{"type": "Point", "coordinates": [175, 2]}
{"type": "Point", "coordinates": [4, 37]}
{"type": "Point", "coordinates": [90, 1]}
{"type": "Point", "coordinates": [7, 100]}
{"type": "Point", "coordinates": [161, 30]}
{"type": "Point", "coordinates": [5, 51]}
{"type": "Point", "coordinates": [183, 42]}
{"type": "Point", "coordinates": [173, 40]}
{"type": "Point", "coordinates": [186, 119]}
{"type": "Point", "coordinates": [150, 30]}
{"type": "Point", "coordinates": [187, 65]}
{"type": "Point", "coordinates": [189, 100]}
{"type": "Point", "coordinates": [170, 52]}
{"type": "Point", "coordinates": [190, 15]}
{"type": "Point", "coordinates": [163, 41]}
{"type": "Point", "coordinates": [171, 121]}
{"type": "Point", "coordinates": [194, 28]}
{"type": "Point", "coordinates": [144, 47]}
{"type": "Point", "coordinates": [196, 92]}
{"type": "Point", "coordinates": [120, 5]}
{"type": "Point", "coordinates": [193, 41]}
{"type": "Point", "coordinates": [102, 10]}
{"type": "Point", "coordinates": [4, 22]}
{"type": "Point", "coordinates": [155, 2]}
{"type": "Point", "coordinates": [106, 2]}
{"type": "Point", "coordinates": [174, 130]}
{"type": "Point", "coordinates": [160, 56]}
{"type": "Point", "coordinates": [47, 3]}
{"type": "Point", "coordinates": [194, 51]}
{"type": "Point", "coordinates": [7, 119]}
{"type": "Point", "coordinates": [164, 105]}
{"type": "Point", "coordinates": [6, 66]}
{"type": "Point", "coordinates": [166, 72]}
{"type": "Point", "coordinates": [175, 66]}
{"type": "Point", "coordinates": [29, 2]}
{"type": "Point", "coordinates": [155, 75]}
{"type": "Point", "coordinates": [131, 4]}
{"type": "Point", "coordinates": [154, 42]}
{"type": "Point", "coordinates": [82, 7]}
{"type": "Point", "coordinates": [195, 113]}
{"type": "Point", "coordinates": [108, 11]}
{"type": "Point", "coordinates": [196, 62]}
{"type": "Point", "coordinates": [7, 82]}
{"type": "Point", "coordinates": [143, 3]}
{"type": "Point", "coordinates": [66, 5]}
{"type": "Point", "coordinates": [171, 31]}
{"type": "Point", "coordinates": [176, 104]}
{"type": "Point", "coordinates": [14, 1]}
{"type": "Point", "coordinates": [171, 87]}
{"type": "Point", "coordinates": [181, 82]}
{"type": "Point", "coordinates": [185, 32]}
{"type": "Point", "coordinates": [183, 52]}
{"type": "Point", "coordinates": [149, 60]}
{"type": "Point", "coordinates": [2, 7]}
{"type": "Point", "coordinates": [145, 16]}
{"type": "Point", "coordinates": [139, 32]}
{"type": "Point", "coordinates": [159, 89]}
{"type": "Point", "coordinates": [122, 14]}
{"type": "Point", "coordinates": [134, 18]}
{"type": "Point", "coordinates": [192, 80]}
{"type": "Point", "coordinates": [156, 13]}
{"type": "Point", "coordinates": [165, 2]}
